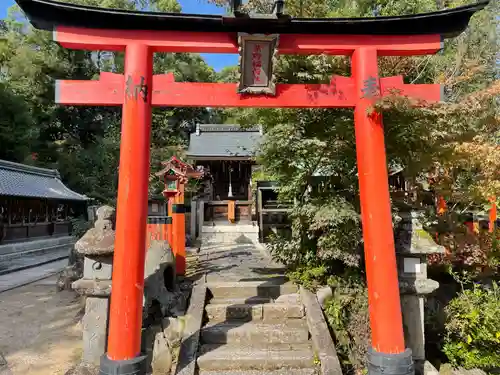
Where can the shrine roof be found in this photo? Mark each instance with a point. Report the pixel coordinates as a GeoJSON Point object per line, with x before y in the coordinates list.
{"type": "Point", "coordinates": [223, 141]}
{"type": "Point", "coordinates": [20, 180]}
{"type": "Point", "coordinates": [48, 14]}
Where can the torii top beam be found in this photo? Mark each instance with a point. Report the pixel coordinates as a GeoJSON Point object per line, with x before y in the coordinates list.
{"type": "Point", "coordinates": [48, 15]}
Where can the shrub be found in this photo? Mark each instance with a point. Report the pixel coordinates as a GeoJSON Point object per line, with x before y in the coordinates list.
{"type": "Point", "coordinates": [79, 226]}
{"type": "Point", "coordinates": [347, 315]}
{"type": "Point", "coordinates": [318, 235]}
{"type": "Point", "coordinates": [310, 277]}
{"type": "Point", "coordinates": [478, 254]}
{"type": "Point", "coordinates": [472, 329]}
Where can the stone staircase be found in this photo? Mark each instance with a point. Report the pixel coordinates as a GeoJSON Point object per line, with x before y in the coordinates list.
{"type": "Point", "coordinates": [255, 327]}
{"type": "Point", "coordinates": [227, 233]}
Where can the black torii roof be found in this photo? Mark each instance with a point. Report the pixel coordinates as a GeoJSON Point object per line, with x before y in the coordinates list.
{"type": "Point", "coordinates": [48, 14]}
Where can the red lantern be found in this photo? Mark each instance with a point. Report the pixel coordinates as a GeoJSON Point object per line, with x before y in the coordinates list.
{"type": "Point", "coordinates": [171, 184]}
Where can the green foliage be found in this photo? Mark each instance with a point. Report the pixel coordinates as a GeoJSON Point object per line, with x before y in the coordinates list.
{"type": "Point", "coordinates": [473, 328]}
{"type": "Point", "coordinates": [318, 235]}
{"type": "Point", "coordinates": [16, 131]}
{"type": "Point", "coordinates": [347, 315]}
{"type": "Point", "coordinates": [309, 276]}
{"type": "Point", "coordinates": [83, 142]}
{"type": "Point", "coordinates": [229, 74]}
{"type": "Point", "coordinates": [79, 226]}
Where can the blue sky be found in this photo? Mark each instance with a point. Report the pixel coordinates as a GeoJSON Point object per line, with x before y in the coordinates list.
{"type": "Point", "coordinates": [217, 61]}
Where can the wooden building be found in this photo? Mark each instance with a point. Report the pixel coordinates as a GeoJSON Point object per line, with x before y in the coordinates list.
{"type": "Point", "coordinates": [226, 154]}
{"type": "Point", "coordinates": [35, 204]}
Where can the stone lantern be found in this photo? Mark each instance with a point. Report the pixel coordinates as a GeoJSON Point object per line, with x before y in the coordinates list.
{"type": "Point", "coordinates": [413, 244]}
{"type": "Point", "coordinates": [97, 247]}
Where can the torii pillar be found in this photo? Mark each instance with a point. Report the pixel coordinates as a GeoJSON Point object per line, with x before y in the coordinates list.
{"type": "Point", "coordinates": [124, 337]}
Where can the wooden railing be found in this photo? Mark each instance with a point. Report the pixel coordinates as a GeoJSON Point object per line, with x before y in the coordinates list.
{"type": "Point", "coordinates": [10, 233]}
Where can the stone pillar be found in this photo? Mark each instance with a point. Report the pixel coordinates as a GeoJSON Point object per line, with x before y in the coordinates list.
{"type": "Point", "coordinates": [413, 244]}
{"type": "Point", "coordinates": [193, 230]}
{"type": "Point", "coordinates": [96, 246]}
{"type": "Point", "coordinates": [201, 216]}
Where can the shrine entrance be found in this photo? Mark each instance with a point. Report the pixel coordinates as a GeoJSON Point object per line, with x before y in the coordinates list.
{"type": "Point", "coordinates": [226, 154]}
{"type": "Point", "coordinates": [259, 39]}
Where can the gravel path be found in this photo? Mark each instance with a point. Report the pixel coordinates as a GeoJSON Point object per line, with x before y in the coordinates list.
{"type": "Point", "coordinates": [39, 329]}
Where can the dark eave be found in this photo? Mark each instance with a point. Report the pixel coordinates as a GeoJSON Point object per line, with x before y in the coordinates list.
{"type": "Point", "coordinates": [25, 181]}
{"type": "Point", "coordinates": [48, 15]}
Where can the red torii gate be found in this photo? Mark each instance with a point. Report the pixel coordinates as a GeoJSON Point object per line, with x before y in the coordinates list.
{"type": "Point", "coordinates": [140, 34]}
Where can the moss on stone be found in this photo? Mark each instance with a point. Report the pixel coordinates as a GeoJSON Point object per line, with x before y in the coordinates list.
{"type": "Point", "coordinates": [422, 233]}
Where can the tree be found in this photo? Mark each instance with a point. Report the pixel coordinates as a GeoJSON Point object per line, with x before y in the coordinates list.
{"type": "Point", "coordinates": [457, 135]}
{"type": "Point", "coordinates": [15, 126]}
{"type": "Point", "coordinates": [82, 142]}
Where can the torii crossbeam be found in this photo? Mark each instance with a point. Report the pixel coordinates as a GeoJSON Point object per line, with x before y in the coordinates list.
{"type": "Point", "coordinates": [140, 34]}
{"type": "Point", "coordinates": [340, 92]}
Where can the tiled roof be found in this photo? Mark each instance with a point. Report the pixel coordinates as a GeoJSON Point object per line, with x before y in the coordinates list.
{"type": "Point", "coordinates": [222, 140]}
{"type": "Point", "coordinates": [19, 180]}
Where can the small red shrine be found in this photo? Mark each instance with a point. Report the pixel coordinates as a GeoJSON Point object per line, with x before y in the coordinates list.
{"type": "Point", "coordinates": [175, 175]}
{"type": "Point", "coordinates": [259, 39]}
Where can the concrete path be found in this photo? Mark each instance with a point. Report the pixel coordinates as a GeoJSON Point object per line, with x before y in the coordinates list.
{"type": "Point", "coordinates": [20, 278]}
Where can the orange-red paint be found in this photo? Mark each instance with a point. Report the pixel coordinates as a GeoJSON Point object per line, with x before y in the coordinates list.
{"type": "Point", "coordinates": [108, 90]}
{"type": "Point", "coordinates": [442, 207]}
{"type": "Point", "coordinates": [493, 214]}
{"type": "Point", "coordinates": [181, 174]}
{"type": "Point", "coordinates": [125, 317]}
{"type": "Point", "coordinates": [179, 229]}
{"type": "Point", "coordinates": [381, 271]}
{"type": "Point", "coordinates": [155, 232]}
{"type": "Point", "coordinates": [169, 226]}
{"type": "Point", "coordinates": [395, 86]}
{"type": "Point", "coordinates": [231, 211]}
{"type": "Point", "coordinates": [290, 44]}
{"type": "Point", "coordinates": [163, 232]}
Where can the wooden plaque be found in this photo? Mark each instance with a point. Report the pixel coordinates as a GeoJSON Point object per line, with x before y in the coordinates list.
{"type": "Point", "coordinates": [257, 59]}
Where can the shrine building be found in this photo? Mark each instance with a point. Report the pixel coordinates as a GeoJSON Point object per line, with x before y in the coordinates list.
{"type": "Point", "coordinates": [226, 153]}
{"type": "Point", "coordinates": [36, 209]}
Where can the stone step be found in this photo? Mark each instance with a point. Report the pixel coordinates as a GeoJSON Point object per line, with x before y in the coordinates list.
{"type": "Point", "coordinates": [20, 278]}
{"type": "Point", "coordinates": [238, 357]}
{"type": "Point", "coordinates": [270, 311]}
{"type": "Point", "coordinates": [283, 371]}
{"type": "Point", "coordinates": [255, 333]}
{"type": "Point", "coordinates": [244, 289]}
{"type": "Point", "coordinates": [230, 228]}
{"type": "Point", "coordinates": [229, 238]}
{"type": "Point", "coordinates": [230, 234]}
{"type": "Point", "coordinates": [11, 249]}
{"type": "Point", "coordinates": [241, 301]}
{"type": "Point", "coordinates": [34, 259]}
